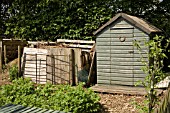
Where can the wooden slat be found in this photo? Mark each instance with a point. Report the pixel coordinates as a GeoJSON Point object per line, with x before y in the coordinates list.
{"type": "Point", "coordinates": [103, 70]}
{"type": "Point", "coordinates": [125, 78]}
{"type": "Point", "coordinates": [136, 30]}
{"type": "Point", "coordinates": [118, 43]}
{"type": "Point", "coordinates": [104, 35]}
{"type": "Point", "coordinates": [101, 74]}
{"type": "Point", "coordinates": [79, 46]}
{"type": "Point", "coordinates": [118, 89]}
{"type": "Point", "coordinates": [103, 54]}
{"type": "Point", "coordinates": [103, 66]}
{"type": "Point", "coordinates": [121, 43]}
{"type": "Point", "coordinates": [103, 39]}
{"type": "Point", "coordinates": [125, 67]}
{"type": "Point", "coordinates": [141, 38]}
{"type": "Point", "coordinates": [103, 77]}
{"type": "Point", "coordinates": [125, 51]}
{"type": "Point", "coordinates": [121, 47]}
{"type": "Point", "coordinates": [102, 43]}
{"type": "Point", "coordinates": [119, 75]}
{"type": "Point", "coordinates": [117, 39]}
{"type": "Point", "coordinates": [128, 55]}
{"type": "Point", "coordinates": [121, 64]}
{"type": "Point", "coordinates": [141, 75]}
{"type": "Point", "coordinates": [127, 71]}
{"type": "Point", "coordinates": [103, 81]}
{"type": "Point", "coordinates": [75, 41]}
{"type": "Point", "coordinates": [103, 58]}
{"type": "Point", "coordinates": [121, 35]}
{"type": "Point", "coordinates": [121, 83]}
{"type": "Point", "coordinates": [102, 51]}
{"type": "Point", "coordinates": [127, 59]}
{"type": "Point", "coordinates": [103, 47]}
{"type": "Point", "coordinates": [122, 22]}
{"type": "Point", "coordinates": [103, 62]}
{"type": "Point", "coordinates": [140, 35]}
{"type": "Point", "coordinates": [121, 26]}
{"type": "Point", "coordinates": [121, 31]}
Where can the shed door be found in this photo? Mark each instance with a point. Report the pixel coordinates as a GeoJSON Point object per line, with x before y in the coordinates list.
{"type": "Point", "coordinates": [122, 56]}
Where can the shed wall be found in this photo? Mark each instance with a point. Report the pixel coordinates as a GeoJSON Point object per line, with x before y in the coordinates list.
{"type": "Point", "coordinates": [119, 62]}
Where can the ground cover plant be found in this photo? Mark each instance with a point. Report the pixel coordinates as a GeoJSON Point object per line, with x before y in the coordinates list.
{"type": "Point", "coordinates": [59, 97]}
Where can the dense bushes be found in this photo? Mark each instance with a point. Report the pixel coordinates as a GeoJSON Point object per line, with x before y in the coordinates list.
{"type": "Point", "coordinates": [61, 97]}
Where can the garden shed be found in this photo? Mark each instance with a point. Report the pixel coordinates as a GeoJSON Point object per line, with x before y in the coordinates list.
{"type": "Point", "coordinates": [118, 61]}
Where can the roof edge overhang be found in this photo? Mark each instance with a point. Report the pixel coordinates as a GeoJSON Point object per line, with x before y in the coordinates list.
{"type": "Point", "coordinates": [130, 20]}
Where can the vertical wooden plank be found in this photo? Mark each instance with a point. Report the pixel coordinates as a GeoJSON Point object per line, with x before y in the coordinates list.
{"type": "Point", "coordinates": [91, 70]}
{"type": "Point", "coordinates": [73, 66]}
{"type": "Point", "coordinates": [19, 61]}
{"type": "Point", "coordinates": [36, 66]}
{"type": "Point", "coordinates": [5, 57]}
{"type": "Point", "coordinates": [52, 68]}
{"type": "Point", "coordinates": [1, 59]}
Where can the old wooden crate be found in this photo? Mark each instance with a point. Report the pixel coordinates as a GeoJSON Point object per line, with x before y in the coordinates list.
{"type": "Point", "coordinates": [118, 61]}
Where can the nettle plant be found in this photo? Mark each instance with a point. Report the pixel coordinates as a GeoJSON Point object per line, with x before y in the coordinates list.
{"type": "Point", "coordinates": [153, 66]}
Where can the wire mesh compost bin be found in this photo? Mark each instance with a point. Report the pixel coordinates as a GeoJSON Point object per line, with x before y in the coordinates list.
{"type": "Point", "coordinates": [118, 61]}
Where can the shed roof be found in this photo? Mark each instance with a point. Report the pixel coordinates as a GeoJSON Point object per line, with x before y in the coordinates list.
{"type": "Point", "coordinates": [138, 22]}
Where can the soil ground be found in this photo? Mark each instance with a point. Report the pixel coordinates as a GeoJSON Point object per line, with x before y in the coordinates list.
{"type": "Point", "coordinates": [113, 103]}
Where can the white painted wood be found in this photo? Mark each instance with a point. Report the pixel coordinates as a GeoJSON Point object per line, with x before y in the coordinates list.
{"type": "Point", "coordinates": [30, 63]}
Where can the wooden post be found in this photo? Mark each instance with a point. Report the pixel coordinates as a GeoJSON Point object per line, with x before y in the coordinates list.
{"type": "Point", "coordinates": [1, 65]}
{"type": "Point", "coordinates": [5, 57]}
{"type": "Point", "coordinates": [53, 69]}
{"type": "Point", "coordinates": [91, 69]}
{"type": "Point", "coordinates": [36, 66]}
{"type": "Point", "coordinates": [72, 59]}
{"type": "Point", "coordinates": [19, 61]}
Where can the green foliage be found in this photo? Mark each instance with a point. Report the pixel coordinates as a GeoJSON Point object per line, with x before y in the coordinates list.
{"type": "Point", "coordinates": [13, 72]}
{"type": "Point", "coordinates": [76, 19]}
{"type": "Point", "coordinates": [61, 97]}
{"type": "Point", "coordinates": [153, 69]}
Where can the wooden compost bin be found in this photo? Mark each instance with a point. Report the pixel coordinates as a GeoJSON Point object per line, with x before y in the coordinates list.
{"type": "Point", "coordinates": [118, 61]}
{"type": "Point", "coordinates": [57, 63]}
{"type": "Point", "coordinates": [9, 48]}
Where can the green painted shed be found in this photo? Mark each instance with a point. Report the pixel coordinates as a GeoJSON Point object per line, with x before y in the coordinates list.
{"type": "Point", "coordinates": [118, 61]}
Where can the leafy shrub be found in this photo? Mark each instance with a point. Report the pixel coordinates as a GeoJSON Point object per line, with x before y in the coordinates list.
{"type": "Point", "coordinates": [61, 97]}
{"type": "Point", "coordinates": [13, 72]}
